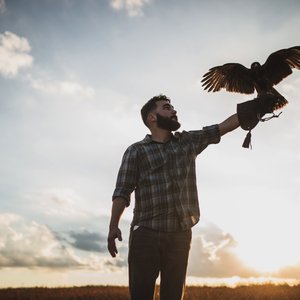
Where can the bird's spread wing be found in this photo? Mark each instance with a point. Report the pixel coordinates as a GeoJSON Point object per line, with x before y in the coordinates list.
{"type": "Point", "coordinates": [233, 77]}
{"type": "Point", "coordinates": [280, 63]}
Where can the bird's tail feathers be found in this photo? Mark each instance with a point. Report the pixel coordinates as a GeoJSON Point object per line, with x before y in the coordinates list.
{"type": "Point", "coordinates": [280, 103]}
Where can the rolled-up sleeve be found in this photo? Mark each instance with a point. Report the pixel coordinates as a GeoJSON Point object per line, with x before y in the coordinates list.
{"type": "Point", "coordinates": [202, 138]}
{"type": "Point", "coordinates": [127, 175]}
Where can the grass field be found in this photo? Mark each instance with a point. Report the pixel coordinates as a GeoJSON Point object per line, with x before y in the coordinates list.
{"type": "Point", "coordinates": [254, 292]}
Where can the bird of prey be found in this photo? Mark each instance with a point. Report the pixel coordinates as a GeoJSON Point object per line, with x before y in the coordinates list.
{"type": "Point", "coordinates": [235, 77]}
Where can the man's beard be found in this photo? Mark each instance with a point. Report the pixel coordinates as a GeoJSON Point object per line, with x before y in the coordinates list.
{"type": "Point", "coordinates": [167, 123]}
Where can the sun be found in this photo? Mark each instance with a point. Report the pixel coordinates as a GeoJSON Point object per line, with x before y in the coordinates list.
{"type": "Point", "coordinates": [267, 252]}
{"type": "Point", "coordinates": [267, 241]}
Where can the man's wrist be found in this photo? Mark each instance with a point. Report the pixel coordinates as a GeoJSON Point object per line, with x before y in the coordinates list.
{"type": "Point", "coordinates": [113, 226]}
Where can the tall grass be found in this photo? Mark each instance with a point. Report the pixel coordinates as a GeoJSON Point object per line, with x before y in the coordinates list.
{"type": "Point", "coordinates": [253, 292]}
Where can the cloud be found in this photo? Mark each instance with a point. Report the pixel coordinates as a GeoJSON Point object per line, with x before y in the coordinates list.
{"type": "Point", "coordinates": [212, 255]}
{"type": "Point", "coordinates": [88, 241]}
{"type": "Point", "coordinates": [32, 245]}
{"type": "Point", "coordinates": [29, 244]}
{"type": "Point", "coordinates": [116, 264]}
{"type": "Point", "coordinates": [64, 88]}
{"type": "Point", "coordinates": [290, 271]}
{"type": "Point", "coordinates": [2, 6]}
{"type": "Point", "coordinates": [57, 202]}
{"type": "Point", "coordinates": [133, 8]}
{"type": "Point", "coordinates": [14, 56]}
{"type": "Point", "coordinates": [13, 53]}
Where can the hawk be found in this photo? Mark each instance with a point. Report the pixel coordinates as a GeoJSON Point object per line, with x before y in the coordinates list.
{"type": "Point", "coordinates": [235, 77]}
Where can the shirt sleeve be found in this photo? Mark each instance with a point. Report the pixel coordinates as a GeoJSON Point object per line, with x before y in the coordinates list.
{"type": "Point", "coordinates": [127, 175]}
{"type": "Point", "coordinates": [202, 138]}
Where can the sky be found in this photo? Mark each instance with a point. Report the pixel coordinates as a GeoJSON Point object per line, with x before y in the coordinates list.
{"type": "Point", "coordinates": [73, 77]}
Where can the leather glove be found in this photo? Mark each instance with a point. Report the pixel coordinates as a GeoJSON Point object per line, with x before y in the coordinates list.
{"type": "Point", "coordinates": [251, 112]}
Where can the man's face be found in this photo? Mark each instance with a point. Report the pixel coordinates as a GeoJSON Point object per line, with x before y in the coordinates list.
{"type": "Point", "coordinates": [166, 117]}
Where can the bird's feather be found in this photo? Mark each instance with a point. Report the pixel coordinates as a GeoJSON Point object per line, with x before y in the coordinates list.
{"type": "Point", "coordinates": [279, 64]}
{"type": "Point", "coordinates": [235, 77]}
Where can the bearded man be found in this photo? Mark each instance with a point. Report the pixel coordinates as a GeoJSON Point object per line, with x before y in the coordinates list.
{"type": "Point", "coordinates": [161, 171]}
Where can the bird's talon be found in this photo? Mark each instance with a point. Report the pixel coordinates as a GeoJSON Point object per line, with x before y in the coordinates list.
{"type": "Point", "coordinates": [271, 117]}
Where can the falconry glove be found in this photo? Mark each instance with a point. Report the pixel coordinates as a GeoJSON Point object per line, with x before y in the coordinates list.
{"type": "Point", "coordinates": [252, 111]}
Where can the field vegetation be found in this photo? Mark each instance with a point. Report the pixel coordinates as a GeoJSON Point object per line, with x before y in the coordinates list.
{"type": "Point", "coordinates": [253, 292]}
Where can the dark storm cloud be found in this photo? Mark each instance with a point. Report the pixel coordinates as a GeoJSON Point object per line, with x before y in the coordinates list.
{"type": "Point", "coordinates": [88, 241]}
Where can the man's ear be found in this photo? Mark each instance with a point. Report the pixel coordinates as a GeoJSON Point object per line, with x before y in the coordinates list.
{"type": "Point", "coordinates": [151, 118]}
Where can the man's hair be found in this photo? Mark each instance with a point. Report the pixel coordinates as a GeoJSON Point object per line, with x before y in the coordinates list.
{"type": "Point", "coordinates": [151, 105]}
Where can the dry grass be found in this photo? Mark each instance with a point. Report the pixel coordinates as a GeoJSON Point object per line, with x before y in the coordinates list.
{"type": "Point", "coordinates": [254, 292]}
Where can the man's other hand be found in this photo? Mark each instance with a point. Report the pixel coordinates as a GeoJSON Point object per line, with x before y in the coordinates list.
{"type": "Point", "coordinates": [114, 233]}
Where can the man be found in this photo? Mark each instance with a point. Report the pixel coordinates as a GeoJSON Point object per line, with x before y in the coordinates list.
{"type": "Point", "coordinates": [160, 169]}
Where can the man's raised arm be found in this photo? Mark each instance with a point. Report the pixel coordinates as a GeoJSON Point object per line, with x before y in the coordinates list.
{"type": "Point", "coordinates": [229, 124]}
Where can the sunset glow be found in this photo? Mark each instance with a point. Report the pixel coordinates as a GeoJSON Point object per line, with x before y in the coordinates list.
{"type": "Point", "coordinates": [264, 241]}
{"type": "Point", "coordinates": [73, 77]}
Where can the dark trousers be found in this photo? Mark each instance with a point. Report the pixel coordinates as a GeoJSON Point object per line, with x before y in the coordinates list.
{"type": "Point", "coordinates": [152, 253]}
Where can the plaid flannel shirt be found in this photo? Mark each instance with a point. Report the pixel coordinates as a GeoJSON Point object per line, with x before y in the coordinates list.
{"type": "Point", "coordinates": [163, 178]}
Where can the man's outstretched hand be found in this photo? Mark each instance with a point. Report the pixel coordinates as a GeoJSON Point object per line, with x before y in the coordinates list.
{"type": "Point", "coordinates": [114, 233]}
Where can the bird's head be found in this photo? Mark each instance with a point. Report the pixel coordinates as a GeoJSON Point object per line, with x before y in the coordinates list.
{"type": "Point", "coordinates": [255, 65]}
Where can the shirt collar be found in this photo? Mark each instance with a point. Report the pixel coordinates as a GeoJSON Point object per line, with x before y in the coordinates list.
{"type": "Point", "coordinates": [148, 138]}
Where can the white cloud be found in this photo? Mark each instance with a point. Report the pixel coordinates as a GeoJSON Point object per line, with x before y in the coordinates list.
{"type": "Point", "coordinates": [213, 255]}
{"type": "Point", "coordinates": [133, 7]}
{"type": "Point", "coordinates": [58, 202]}
{"type": "Point", "coordinates": [65, 88]}
{"type": "Point", "coordinates": [29, 244]}
{"type": "Point", "coordinates": [13, 53]}
{"type": "Point", "coordinates": [32, 245]}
